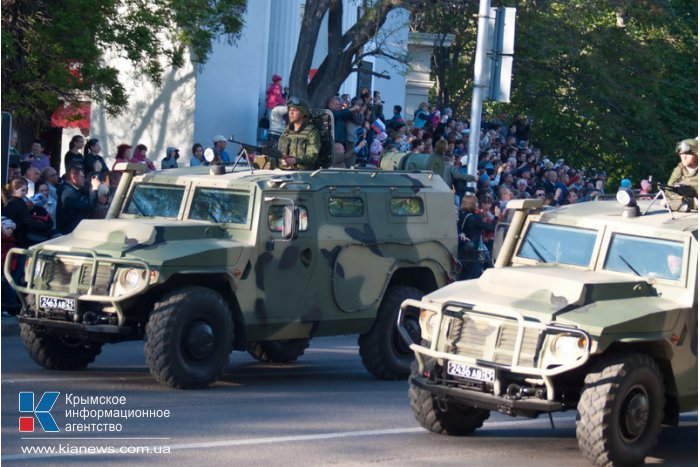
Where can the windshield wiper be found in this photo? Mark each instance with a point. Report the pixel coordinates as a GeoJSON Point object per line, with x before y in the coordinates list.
{"type": "Point", "coordinates": [628, 265]}
{"type": "Point", "coordinates": [535, 250]}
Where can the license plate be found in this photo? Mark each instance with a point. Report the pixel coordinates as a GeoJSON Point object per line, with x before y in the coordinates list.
{"type": "Point", "coordinates": [55, 303]}
{"type": "Point", "coordinates": [465, 371]}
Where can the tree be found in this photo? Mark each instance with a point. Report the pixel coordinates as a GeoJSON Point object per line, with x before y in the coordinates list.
{"type": "Point", "coordinates": [56, 50]}
{"type": "Point", "coordinates": [345, 51]}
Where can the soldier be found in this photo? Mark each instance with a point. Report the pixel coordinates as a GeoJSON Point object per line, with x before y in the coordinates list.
{"type": "Point", "coordinates": [300, 143]}
{"type": "Point", "coordinates": [685, 173]}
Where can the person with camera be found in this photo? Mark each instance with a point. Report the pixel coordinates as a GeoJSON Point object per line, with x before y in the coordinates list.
{"type": "Point", "coordinates": [74, 202]}
{"type": "Point", "coordinates": [684, 177]}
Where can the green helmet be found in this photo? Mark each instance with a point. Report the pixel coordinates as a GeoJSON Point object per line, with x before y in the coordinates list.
{"type": "Point", "coordinates": [299, 104]}
{"type": "Point", "coordinates": [687, 145]}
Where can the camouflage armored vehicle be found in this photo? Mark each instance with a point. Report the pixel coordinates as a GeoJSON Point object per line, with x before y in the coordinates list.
{"type": "Point", "coordinates": [586, 309]}
{"type": "Point", "coordinates": [200, 264]}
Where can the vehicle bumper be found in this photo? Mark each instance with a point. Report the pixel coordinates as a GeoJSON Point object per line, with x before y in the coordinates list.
{"type": "Point", "coordinates": [103, 332]}
{"type": "Point", "coordinates": [487, 401]}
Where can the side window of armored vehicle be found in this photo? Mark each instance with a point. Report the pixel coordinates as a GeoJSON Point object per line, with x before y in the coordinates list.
{"type": "Point", "coordinates": [150, 200]}
{"type": "Point", "coordinates": [220, 206]}
{"type": "Point", "coordinates": [346, 206]}
{"type": "Point", "coordinates": [644, 256]}
{"type": "Point", "coordinates": [549, 243]}
{"type": "Point", "coordinates": [275, 218]}
{"type": "Point", "coordinates": [406, 207]}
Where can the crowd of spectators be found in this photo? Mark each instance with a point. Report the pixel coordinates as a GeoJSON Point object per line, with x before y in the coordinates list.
{"type": "Point", "coordinates": [39, 204]}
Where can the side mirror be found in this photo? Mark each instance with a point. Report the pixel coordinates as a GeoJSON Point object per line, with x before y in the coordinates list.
{"type": "Point", "coordinates": [290, 227]}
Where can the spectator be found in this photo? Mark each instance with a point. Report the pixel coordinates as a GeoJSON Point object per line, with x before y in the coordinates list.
{"type": "Point", "coordinates": [471, 228]}
{"type": "Point", "coordinates": [417, 146]}
{"type": "Point", "coordinates": [377, 107]}
{"type": "Point", "coordinates": [521, 189]}
{"type": "Point", "coordinates": [376, 149]}
{"type": "Point", "coordinates": [50, 176]}
{"type": "Point", "coordinates": [278, 121]}
{"type": "Point", "coordinates": [422, 115]}
{"type": "Point", "coordinates": [10, 302]}
{"type": "Point", "coordinates": [340, 118]}
{"type": "Point", "coordinates": [197, 158]}
{"type": "Point", "coordinates": [396, 119]}
{"type": "Point", "coordinates": [31, 175]}
{"type": "Point", "coordinates": [74, 203]}
{"type": "Point", "coordinates": [220, 148]}
{"type": "Point", "coordinates": [171, 156]}
{"type": "Point", "coordinates": [361, 150]}
{"type": "Point", "coordinates": [15, 156]}
{"type": "Point", "coordinates": [36, 156]}
{"type": "Point", "coordinates": [343, 159]}
{"type": "Point", "coordinates": [140, 157]}
{"type": "Point", "coordinates": [645, 191]}
{"type": "Point", "coordinates": [92, 155]}
{"type": "Point", "coordinates": [274, 93]}
{"type": "Point", "coordinates": [103, 202]}
{"type": "Point", "coordinates": [123, 155]}
{"type": "Point", "coordinates": [571, 197]}
{"type": "Point", "coordinates": [15, 208]}
{"type": "Point", "coordinates": [13, 172]}
{"type": "Point", "coordinates": [73, 156]}
{"type": "Point", "coordinates": [43, 199]}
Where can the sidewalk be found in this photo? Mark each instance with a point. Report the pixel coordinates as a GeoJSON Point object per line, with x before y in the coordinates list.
{"type": "Point", "coordinates": [10, 327]}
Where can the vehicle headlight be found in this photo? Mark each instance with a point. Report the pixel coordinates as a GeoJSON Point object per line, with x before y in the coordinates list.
{"type": "Point", "coordinates": [569, 347]}
{"type": "Point", "coordinates": [38, 267]}
{"type": "Point", "coordinates": [428, 321]}
{"type": "Point", "coordinates": [130, 278]}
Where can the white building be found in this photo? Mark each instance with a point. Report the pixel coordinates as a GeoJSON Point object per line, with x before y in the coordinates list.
{"type": "Point", "coordinates": [226, 95]}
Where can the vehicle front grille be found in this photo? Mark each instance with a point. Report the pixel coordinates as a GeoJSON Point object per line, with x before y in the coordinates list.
{"type": "Point", "coordinates": [490, 339]}
{"type": "Point", "coordinates": [64, 274]}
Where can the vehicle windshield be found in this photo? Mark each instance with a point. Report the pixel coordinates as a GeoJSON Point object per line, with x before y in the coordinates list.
{"type": "Point", "coordinates": [150, 200]}
{"type": "Point", "coordinates": [220, 206]}
{"type": "Point", "coordinates": [549, 243]}
{"type": "Point", "coordinates": [642, 256]}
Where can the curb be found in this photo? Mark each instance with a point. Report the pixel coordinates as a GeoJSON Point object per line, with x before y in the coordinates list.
{"type": "Point", "coordinates": [10, 326]}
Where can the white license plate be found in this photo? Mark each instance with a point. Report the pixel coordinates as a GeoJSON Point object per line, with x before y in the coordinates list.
{"type": "Point", "coordinates": [55, 303]}
{"type": "Point", "coordinates": [465, 371]}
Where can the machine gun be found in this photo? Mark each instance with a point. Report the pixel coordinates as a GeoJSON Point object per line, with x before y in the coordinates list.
{"type": "Point", "coordinates": [268, 157]}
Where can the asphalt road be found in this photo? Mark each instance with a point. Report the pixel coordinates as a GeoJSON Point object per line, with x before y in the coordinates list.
{"type": "Point", "coordinates": [324, 410]}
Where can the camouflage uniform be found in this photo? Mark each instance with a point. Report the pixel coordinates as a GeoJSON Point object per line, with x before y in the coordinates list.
{"type": "Point", "coordinates": [304, 145]}
{"type": "Point", "coordinates": [682, 176]}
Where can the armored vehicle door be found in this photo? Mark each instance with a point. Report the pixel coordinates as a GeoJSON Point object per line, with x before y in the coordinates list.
{"type": "Point", "coordinates": [285, 267]}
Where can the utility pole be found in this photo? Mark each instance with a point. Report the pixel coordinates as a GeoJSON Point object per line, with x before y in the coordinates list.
{"type": "Point", "coordinates": [480, 84]}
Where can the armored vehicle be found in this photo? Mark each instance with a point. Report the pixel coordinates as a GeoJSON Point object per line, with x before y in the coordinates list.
{"type": "Point", "coordinates": [200, 264]}
{"type": "Point", "coordinates": [590, 307]}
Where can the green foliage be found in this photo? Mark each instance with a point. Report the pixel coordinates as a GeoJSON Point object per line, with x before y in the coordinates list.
{"type": "Point", "coordinates": [610, 85]}
{"type": "Point", "coordinates": [42, 38]}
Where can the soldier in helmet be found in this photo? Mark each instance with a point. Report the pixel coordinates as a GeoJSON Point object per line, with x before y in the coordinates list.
{"type": "Point", "coordinates": [685, 175]}
{"type": "Point", "coordinates": [300, 143]}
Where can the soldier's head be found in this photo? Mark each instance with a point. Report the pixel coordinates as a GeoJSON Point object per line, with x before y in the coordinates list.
{"type": "Point", "coordinates": [297, 110]}
{"type": "Point", "coordinates": [687, 150]}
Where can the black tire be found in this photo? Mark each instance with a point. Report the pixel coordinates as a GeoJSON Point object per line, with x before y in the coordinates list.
{"type": "Point", "coordinates": [444, 417]}
{"type": "Point", "coordinates": [57, 352]}
{"type": "Point", "coordinates": [384, 353]}
{"type": "Point", "coordinates": [189, 337]}
{"type": "Point", "coordinates": [280, 351]}
{"type": "Point", "coordinates": [621, 409]}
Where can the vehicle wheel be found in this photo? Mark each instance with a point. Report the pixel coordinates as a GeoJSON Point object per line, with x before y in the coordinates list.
{"type": "Point", "coordinates": [384, 353]}
{"type": "Point", "coordinates": [621, 409]}
{"type": "Point", "coordinates": [58, 352]}
{"type": "Point", "coordinates": [443, 417]}
{"type": "Point", "coordinates": [280, 351]}
{"type": "Point", "coordinates": [189, 337]}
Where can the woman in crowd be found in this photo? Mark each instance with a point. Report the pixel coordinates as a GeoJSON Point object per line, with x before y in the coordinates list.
{"type": "Point", "coordinates": [92, 155]}
{"type": "Point", "coordinates": [140, 157]}
{"type": "Point", "coordinates": [73, 156]}
{"type": "Point", "coordinates": [15, 208]}
{"type": "Point", "coordinates": [197, 158]}
{"type": "Point", "coordinates": [123, 155]}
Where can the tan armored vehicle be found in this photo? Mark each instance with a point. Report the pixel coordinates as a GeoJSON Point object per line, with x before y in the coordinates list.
{"type": "Point", "coordinates": [591, 307]}
{"type": "Point", "coordinates": [200, 264]}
